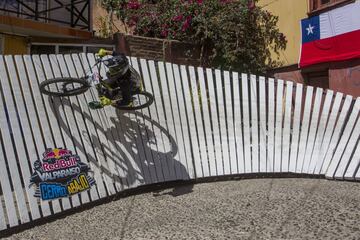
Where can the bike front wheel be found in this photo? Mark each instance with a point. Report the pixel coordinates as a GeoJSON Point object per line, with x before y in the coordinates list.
{"type": "Point", "coordinates": [62, 87]}
{"type": "Point", "coordinates": [139, 100]}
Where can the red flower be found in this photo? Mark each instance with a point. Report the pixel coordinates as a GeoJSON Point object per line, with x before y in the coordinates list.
{"type": "Point", "coordinates": [178, 18]}
{"type": "Point", "coordinates": [186, 24]}
{"type": "Point", "coordinates": [164, 33]}
{"type": "Point", "coordinates": [133, 5]}
{"type": "Point", "coordinates": [199, 1]}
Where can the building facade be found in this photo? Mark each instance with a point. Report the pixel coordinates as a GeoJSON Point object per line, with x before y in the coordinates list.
{"type": "Point", "coordinates": [48, 26]}
{"type": "Point", "coordinates": [342, 76]}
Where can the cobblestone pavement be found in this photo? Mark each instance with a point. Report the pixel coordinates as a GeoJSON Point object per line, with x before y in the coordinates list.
{"type": "Point", "coordinates": [244, 209]}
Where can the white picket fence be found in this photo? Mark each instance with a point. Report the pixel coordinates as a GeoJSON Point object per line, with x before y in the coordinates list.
{"type": "Point", "coordinates": [203, 123]}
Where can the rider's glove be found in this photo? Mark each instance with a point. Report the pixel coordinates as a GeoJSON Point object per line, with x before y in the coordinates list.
{"type": "Point", "coordinates": [102, 52]}
{"type": "Point", "coordinates": [105, 101]}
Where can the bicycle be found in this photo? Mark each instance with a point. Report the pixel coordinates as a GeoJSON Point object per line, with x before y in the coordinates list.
{"type": "Point", "coordinates": [70, 86]}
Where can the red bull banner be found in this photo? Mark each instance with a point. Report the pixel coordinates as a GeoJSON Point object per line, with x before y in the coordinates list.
{"type": "Point", "coordinates": [60, 174]}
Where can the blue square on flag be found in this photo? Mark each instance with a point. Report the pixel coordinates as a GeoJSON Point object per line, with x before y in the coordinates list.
{"type": "Point", "coordinates": [310, 28]}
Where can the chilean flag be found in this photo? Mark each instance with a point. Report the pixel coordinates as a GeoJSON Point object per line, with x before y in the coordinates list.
{"type": "Point", "coordinates": [331, 36]}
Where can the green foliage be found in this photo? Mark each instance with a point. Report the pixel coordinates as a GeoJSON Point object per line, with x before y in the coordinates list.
{"type": "Point", "coordinates": [231, 34]}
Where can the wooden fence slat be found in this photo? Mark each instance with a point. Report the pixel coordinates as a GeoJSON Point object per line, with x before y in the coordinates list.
{"type": "Point", "coordinates": [164, 146]}
{"type": "Point", "coordinates": [304, 129]}
{"type": "Point", "coordinates": [148, 113]}
{"type": "Point", "coordinates": [348, 150]}
{"type": "Point", "coordinates": [34, 121]}
{"type": "Point", "coordinates": [215, 123]}
{"type": "Point", "coordinates": [67, 139]}
{"type": "Point", "coordinates": [238, 124]}
{"type": "Point", "coordinates": [148, 161]}
{"type": "Point", "coordinates": [169, 120]}
{"type": "Point", "coordinates": [336, 135]}
{"type": "Point", "coordinates": [207, 122]}
{"type": "Point", "coordinates": [296, 128]}
{"type": "Point", "coordinates": [17, 128]}
{"type": "Point", "coordinates": [262, 125]}
{"type": "Point", "coordinates": [172, 118]}
{"type": "Point", "coordinates": [184, 123]}
{"type": "Point", "coordinates": [271, 125]}
{"type": "Point", "coordinates": [178, 119]}
{"type": "Point", "coordinates": [230, 122]}
{"type": "Point", "coordinates": [4, 176]}
{"type": "Point", "coordinates": [246, 123]}
{"type": "Point", "coordinates": [191, 120]}
{"type": "Point", "coordinates": [2, 215]}
{"type": "Point", "coordinates": [163, 114]}
{"type": "Point", "coordinates": [345, 138]}
{"type": "Point", "coordinates": [328, 132]}
{"type": "Point", "coordinates": [278, 125]}
{"type": "Point", "coordinates": [254, 124]}
{"type": "Point", "coordinates": [222, 122]}
{"type": "Point", "coordinates": [357, 177]}
{"type": "Point", "coordinates": [286, 130]}
{"type": "Point", "coordinates": [199, 121]}
{"type": "Point", "coordinates": [353, 165]}
{"type": "Point", "coordinates": [312, 130]}
{"type": "Point", "coordinates": [320, 132]}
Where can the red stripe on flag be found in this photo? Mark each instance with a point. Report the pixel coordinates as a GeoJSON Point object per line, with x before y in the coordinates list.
{"type": "Point", "coordinates": [341, 47]}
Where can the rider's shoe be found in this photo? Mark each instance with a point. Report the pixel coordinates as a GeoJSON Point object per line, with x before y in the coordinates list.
{"type": "Point", "coordinates": [95, 105]}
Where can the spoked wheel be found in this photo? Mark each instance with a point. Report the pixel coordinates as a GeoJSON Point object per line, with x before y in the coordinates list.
{"type": "Point", "coordinates": [62, 87]}
{"type": "Point", "coordinates": [140, 100]}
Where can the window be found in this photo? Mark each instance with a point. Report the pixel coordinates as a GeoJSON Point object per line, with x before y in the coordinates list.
{"type": "Point", "coordinates": [55, 48]}
{"type": "Point", "coordinates": [317, 5]}
{"type": "Point", "coordinates": [42, 49]}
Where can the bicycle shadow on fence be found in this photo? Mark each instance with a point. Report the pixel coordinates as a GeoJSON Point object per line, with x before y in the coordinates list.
{"type": "Point", "coordinates": [128, 140]}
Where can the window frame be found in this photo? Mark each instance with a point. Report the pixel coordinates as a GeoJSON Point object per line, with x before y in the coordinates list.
{"type": "Point", "coordinates": [327, 6]}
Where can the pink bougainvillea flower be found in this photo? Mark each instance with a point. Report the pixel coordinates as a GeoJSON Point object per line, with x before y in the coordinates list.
{"type": "Point", "coordinates": [186, 24]}
{"type": "Point", "coordinates": [178, 18]}
{"type": "Point", "coordinates": [200, 1]}
{"type": "Point", "coordinates": [164, 33]}
{"type": "Point", "coordinates": [133, 5]}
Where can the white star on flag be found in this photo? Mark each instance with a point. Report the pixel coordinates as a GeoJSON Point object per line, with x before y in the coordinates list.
{"type": "Point", "coordinates": [310, 29]}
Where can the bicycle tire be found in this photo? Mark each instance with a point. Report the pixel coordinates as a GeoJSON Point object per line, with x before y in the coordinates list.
{"type": "Point", "coordinates": [66, 80]}
{"type": "Point", "coordinates": [146, 104]}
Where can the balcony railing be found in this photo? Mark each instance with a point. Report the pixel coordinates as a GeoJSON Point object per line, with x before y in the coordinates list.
{"type": "Point", "coordinates": [71, 13]}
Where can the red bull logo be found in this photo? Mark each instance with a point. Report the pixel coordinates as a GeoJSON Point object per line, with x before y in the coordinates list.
{"type": "Point", "coordinates": [56, 153]}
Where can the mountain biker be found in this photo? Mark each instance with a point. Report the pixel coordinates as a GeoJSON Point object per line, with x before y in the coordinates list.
{"type": "Point", "coordinates": [121, 79]}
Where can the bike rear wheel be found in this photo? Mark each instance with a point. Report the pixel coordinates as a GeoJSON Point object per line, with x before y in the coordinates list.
{"type": "Point", "coordinates": [62, 87]}
{"type": "Point", "coordinates": [140, 100]}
